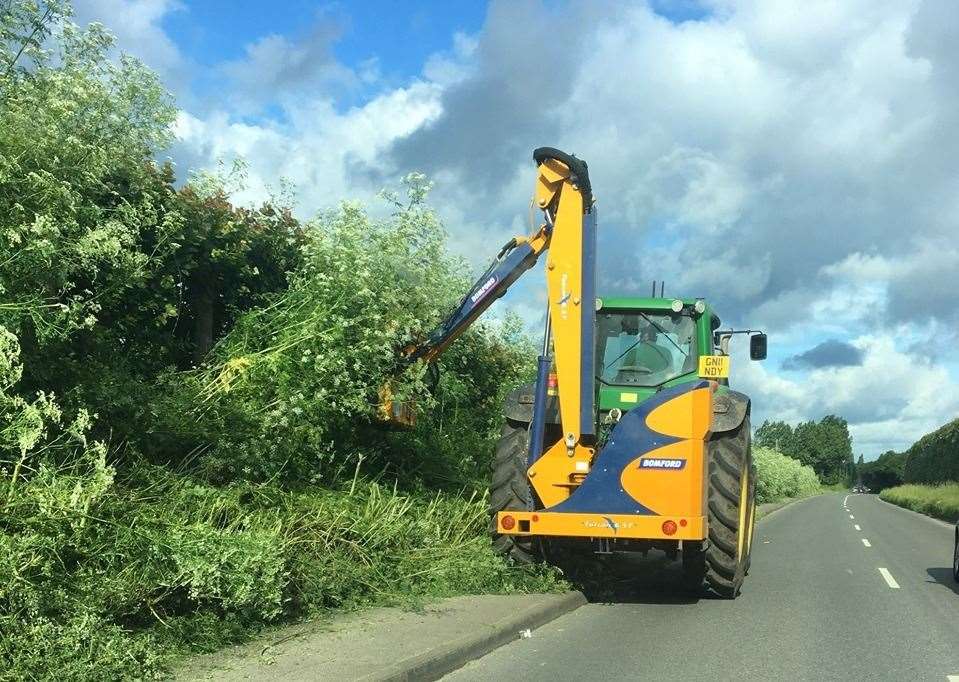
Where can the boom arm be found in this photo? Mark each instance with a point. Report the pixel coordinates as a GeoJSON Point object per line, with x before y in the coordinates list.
{"type": "Point", "coordinates": [564, 195]}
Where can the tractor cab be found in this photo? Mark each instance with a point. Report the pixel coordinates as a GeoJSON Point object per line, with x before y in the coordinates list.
{"type": "Point", "coordinates": [644, 345]}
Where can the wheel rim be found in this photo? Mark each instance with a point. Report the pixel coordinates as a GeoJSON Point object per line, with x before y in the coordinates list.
{"type": "Point", "coordinates": [750, 523]}
{"type": "Point", "coordinates": [743, 512]}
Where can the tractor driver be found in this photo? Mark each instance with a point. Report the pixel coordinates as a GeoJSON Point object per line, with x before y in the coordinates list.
{"type": "Point", "coordinates": [647, 356]}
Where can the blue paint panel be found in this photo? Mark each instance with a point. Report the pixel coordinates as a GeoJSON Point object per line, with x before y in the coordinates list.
{"type": "Point", "coordinates": [602, 492]}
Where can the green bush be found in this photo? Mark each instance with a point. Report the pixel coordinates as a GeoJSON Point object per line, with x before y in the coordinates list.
{"type": "Point", "coordinates": [884, 472]}
{"type": "Point", "coordinates": [940, 501]}
{"type": "Point", "coordinates": [146, 567]}
{"type": "Point", "coordinates": [779, 476]}
{"type": "Point", "coordinates": [934, 458]}
{"type": "Point", "coordinates": [156, 499]}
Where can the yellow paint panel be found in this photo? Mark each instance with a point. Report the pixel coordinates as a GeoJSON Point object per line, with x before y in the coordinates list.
{"type": "Point", "coordinates": [714, 366]}
{"type": "Point", "coordinates": [564, 280]}
{"type": "Point", "coordinates": [674, 484]}
{"type": "Point", "coordinates": [628, 397]}
{"type": "Point", "coordinates": [627, 526]}
{"type": "Point", "coordinates": [685, 416]}
{"type": "Point", "coordinates": [551, 474]}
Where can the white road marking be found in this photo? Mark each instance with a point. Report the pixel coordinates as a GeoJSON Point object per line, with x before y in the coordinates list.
{"type": "Point", "coordinates": [952, 678]}
{"type": "Point", "coordinates": [866, 542]}
{"type": "Point", "coordinates": [887, 576]}
{"type": "Point", "coordinates": [844, 500]}
{"type": "Point", "coordinates": [851, 516]}
{"type": "Point", "coordinates": [857, 526]}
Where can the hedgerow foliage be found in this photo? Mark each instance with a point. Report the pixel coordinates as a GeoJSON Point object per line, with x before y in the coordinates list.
{"type": "Point", "coordinates": [186, 387]}
{"type": "Point", "coordinates": [779, 476]}
{"type": "Point", "coordinates": [934, 458]}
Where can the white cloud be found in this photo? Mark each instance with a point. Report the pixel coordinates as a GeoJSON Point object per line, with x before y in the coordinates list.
{"type": "Point", "coordinates": [889, 400]}
{"type": "Point", "coordinates": [315, 149]}
{"type": "Point", "coordinates": [137, 27]}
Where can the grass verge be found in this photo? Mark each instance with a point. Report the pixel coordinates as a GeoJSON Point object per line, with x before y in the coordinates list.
{"type": "Point", "coordinates": [939, 501]}
{"type": "Point", "coordinates": [145, 573]}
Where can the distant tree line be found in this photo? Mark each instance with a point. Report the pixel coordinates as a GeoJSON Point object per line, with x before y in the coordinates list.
{"type": "Point", "coordinates": [884, 472]}
{"type": "Point", "coordinates": [825, 445]}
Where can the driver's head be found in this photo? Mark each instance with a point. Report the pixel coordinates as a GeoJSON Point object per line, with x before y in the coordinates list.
{"type": "Point", "coordinates": [630, 325]}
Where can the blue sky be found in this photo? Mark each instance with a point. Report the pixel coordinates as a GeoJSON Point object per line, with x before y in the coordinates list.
{"type": "Point", "coordinates": [792, 161]}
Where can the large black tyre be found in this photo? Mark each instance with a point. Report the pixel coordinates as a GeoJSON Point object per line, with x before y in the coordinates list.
{"type": "Point", "coordinates": [718, 566]}
{"type": "Point", "coordinates": [509, 490]}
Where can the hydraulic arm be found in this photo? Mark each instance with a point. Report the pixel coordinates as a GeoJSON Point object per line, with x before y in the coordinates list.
{"type": "Point", "coordinates": [564, 195]}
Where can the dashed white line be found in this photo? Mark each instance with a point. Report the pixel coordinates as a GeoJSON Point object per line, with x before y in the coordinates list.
{"type": "Point", "coordinates": [887, 576]}
{"type": "Point", "coordinates": [952, 678]}
{"type": "Point", "coordinates": [844, 500]}
{"type": "Point", "coordinates": [857, 526]}
{"type": "Point", "coordinates": [851, 516]}
{"type": "Point", "coordinates": [866, 542]}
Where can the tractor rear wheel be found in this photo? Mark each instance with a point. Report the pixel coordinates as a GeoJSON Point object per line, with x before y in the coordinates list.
{"type": "Point", "coordinates": [718, 566]}
{"type": "Point", "coordinates": [509, 490]}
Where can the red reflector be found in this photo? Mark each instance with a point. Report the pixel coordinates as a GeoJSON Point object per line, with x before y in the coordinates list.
{"type": "Point", "coordinates": [551, 381]}
{"type": "Point", "coordinates": [669, 527]}
{"type": "Point", "coordinates": [535, 517]}
{"type": "Point", "coordinates": [508, 522]}
{"type": "Point", "coordinates": [682, 522]}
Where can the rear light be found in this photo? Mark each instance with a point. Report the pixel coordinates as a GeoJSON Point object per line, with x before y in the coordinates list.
{"type": "Point", "coordinates": [552, 384]}
{"type": "Point", "coordinates": [669, 527]}
{"type": "Point", "coordinates": [682, 522]}
{"type": "Point", "coordinates": [508, 522]}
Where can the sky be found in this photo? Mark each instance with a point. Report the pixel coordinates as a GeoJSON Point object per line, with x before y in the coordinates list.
{"type": "Point", "coordinates": [792, 161]}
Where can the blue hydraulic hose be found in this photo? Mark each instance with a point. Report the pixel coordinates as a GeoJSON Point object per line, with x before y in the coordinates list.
{"type": "Point", "coordinates": [538, 425]}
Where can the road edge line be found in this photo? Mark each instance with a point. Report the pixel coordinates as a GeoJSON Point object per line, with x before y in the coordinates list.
{"type": "Point", "coordinates": [782, 504]}
{"type": "Point", "coordinates": [913, 511]}
{"type": "Point", "coordinates": [446, 658]}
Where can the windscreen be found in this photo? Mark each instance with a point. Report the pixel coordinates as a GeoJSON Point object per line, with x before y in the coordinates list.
{"type": "Point", "coordinates": [644, 349]}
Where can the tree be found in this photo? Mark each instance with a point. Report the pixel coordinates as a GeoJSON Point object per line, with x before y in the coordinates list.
{"type": "Point", "coordinates": [776, 435]}
{"type": "Point", "coordinates": [825, 445]}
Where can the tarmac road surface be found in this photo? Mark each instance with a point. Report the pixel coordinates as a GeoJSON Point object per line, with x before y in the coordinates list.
{"type": "Point", "coordinates": [842, 587]}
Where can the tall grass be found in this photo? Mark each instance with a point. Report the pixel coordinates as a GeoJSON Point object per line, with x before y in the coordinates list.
{"type": "Point", "coordinates": [114, 588]}
{"type": "Point", "coordinates": [940, 501]}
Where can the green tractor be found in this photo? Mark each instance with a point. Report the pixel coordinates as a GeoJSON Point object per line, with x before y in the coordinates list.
{"type": "Point", "coordinates": [644, 346]}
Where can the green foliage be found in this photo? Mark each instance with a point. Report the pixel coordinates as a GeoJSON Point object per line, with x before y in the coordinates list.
{"type": "Point", "coordinates": [186, 388]}
{"type": "Point", "coordinates": [934, 458]}
{"type": "Point", "coordinates": [779, 476]}
{"type": "Point", "coordinates": [86, 560]}
{"type": "Point", "coordinates": [940, 501]}
{"type": "Point", "coordinates": [884, 472]}
{"type": "Point", "coordinates": [825, 445]}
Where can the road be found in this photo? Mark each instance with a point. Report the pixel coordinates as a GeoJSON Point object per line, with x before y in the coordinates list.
{"type": "Point", "coordinates": [863, 594]}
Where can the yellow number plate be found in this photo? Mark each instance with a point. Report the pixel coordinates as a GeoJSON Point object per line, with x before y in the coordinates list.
{"type": "Point", "coordinates": [714, 366]}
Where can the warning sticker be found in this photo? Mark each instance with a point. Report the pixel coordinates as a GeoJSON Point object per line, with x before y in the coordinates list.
{"type": "Point", "coordinates": [714, 366]}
